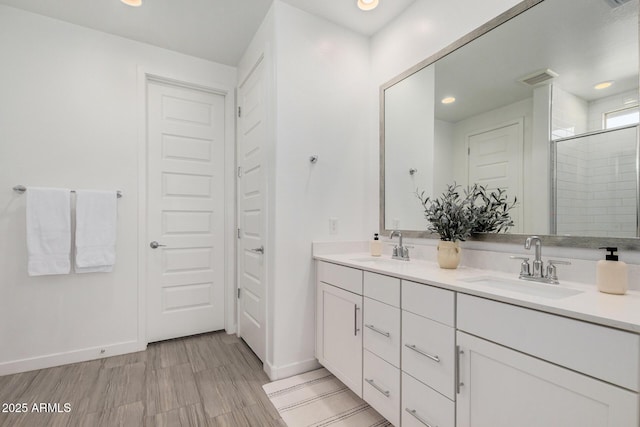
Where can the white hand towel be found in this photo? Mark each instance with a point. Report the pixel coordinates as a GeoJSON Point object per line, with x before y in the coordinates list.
{"type": "Point", "coordinates": [96, 221]}
{"type": "Point", "coordinates": [48, 231]}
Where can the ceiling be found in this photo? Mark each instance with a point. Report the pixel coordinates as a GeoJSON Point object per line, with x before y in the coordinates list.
{"type": "Point", "coordinates": [217, 30]}
{"type": "Point", "coordinates": [585, 45]}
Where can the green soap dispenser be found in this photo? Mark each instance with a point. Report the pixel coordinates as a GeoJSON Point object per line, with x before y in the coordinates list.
{"type": "Point", "coordinates": [612, 276]}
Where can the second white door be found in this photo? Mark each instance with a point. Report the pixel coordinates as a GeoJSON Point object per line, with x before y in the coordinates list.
{"type": "Point", "coordinates": [252, 139]}
{"type": "Point", "coordinates": [495, 161]}
{"type": "Point", "coordinates": [185, 211]}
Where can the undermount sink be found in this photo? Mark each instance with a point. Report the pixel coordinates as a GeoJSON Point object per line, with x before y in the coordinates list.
{"type": "Point", "coordinates": [524, 287]}
{"type": "Point", "coordinates": [378, 261]}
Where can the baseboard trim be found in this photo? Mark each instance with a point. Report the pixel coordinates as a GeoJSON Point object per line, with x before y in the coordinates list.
{"type": "Point", "coordinates": [279, 372]}
{"type": "Point", "coordinates": [57, 359]}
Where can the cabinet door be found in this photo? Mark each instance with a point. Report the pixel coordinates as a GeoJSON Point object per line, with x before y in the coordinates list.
{"type": "Point", "coordinates": [339, 329]}
{"type": "Point", "coordinates": [500, 387]}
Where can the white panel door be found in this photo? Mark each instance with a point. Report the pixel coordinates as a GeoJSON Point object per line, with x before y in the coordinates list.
{"type": "Point", "coordinates": [185, 207]}
{"type": "Point", "coordinates": [252, 139]}
{"type": "Point", "coordinates": [495, 161]}
{"type": "Point", "coordinates": [501, 387]}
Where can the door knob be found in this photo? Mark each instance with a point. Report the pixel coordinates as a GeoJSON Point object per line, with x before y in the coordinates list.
{"type": "Point", "coordinates": [259, 250]}
{"type": "Point", "coordinates": [155, 245]}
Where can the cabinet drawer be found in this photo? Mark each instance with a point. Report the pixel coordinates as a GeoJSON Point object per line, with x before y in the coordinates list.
{"type": "Point", "coordinates": [605, 353]}
{"type": "Point", "coordinates": [382, 288]}
{"type": "Point", "coordinates": [422, 406]}
{"type": "Point", "coordinates": [349, 279]}
{"type": "Point", "coordinates": [381, 387]}
{"type": "Point", "coordinates": [434, 303]}
{"type": "Point", "coordinates": [382, 330]}
{"type": "Point", "coordinates": [428, 352]}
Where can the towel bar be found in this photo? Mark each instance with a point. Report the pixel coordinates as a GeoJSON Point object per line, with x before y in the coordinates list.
{"type": "Point", "coordinates": [21, 189]}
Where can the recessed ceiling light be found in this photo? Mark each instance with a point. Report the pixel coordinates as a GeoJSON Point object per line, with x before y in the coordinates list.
{"type": "Point", "coordinates": [603, 85]}
{"type": "Point", "coordinates": [448, 100]}
{"type": "Point", "coordinates": [134, 3]}
{"type": "Point", "coordinates": [367, 4]}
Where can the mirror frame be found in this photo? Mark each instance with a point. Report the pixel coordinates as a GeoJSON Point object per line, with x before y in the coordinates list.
{"type": "Point", "coordinates": [627, 243]}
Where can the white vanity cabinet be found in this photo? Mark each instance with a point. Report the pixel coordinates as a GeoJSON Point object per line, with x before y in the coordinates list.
{"type": "Point", "coordinates": [426, 356]}
{"type": "Point", "coordinates": [556, 383]}
{"type": "Point", "coordinates": [339, 323]}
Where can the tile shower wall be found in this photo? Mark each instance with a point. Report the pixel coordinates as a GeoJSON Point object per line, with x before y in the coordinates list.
{"type": "Point", "coordinates": [597, 185]}
{"type": "Point", "coordinates": [570, 114]}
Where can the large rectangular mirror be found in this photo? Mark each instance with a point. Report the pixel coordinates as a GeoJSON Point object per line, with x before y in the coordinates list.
{"type": "Point", "coordinates": [542, 102]}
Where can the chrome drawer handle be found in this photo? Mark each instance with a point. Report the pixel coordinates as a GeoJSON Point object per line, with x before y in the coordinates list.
{"type": "Point", "coordinates": [418, 417]}
{"type": "Point", "coordinates": [422, 352]}
{"type": "Point", "coordinates": [377, 387]}
{"type": "Point", "coordinates": [374, 329]}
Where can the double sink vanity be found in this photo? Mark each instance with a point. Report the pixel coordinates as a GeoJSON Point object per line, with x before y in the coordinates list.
{"type": "Point", "coordinates": [426, 346]}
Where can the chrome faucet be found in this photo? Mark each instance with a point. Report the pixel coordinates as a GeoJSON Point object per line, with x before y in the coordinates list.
{"type": "Point", "coordinates": [537, 262]}
{"type": "Point", "coordinates": [537, 275]}
{"type": "Point", "coordinates": [399, 251]}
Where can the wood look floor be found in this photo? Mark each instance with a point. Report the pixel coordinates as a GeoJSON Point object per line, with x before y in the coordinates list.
{"type": "Point", "coordinates": [205, 380]}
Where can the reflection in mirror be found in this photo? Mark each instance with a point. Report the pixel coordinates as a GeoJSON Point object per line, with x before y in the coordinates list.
{"type": "Point", "coordinates": [596, 184]}
{"type": "Point", "coordinates": [528, 117]}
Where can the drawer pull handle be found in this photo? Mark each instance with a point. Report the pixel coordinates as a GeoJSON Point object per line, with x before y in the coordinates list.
{"type": "Point", "coordinates": [377, 387]}
{"type": "Point", "coordinates": [422, 352]}
{"type": "Point", "coordinates": [418, 417]}
{"type": "Point", "coordinates": [355, 320]}
{"type": "Point", "coordinates": [374, 329]}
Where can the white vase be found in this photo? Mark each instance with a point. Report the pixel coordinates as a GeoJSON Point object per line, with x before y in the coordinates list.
{"type": "Point", "coordinates": [448, 254]}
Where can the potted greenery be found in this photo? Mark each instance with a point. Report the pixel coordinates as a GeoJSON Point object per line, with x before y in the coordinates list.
{"type": "Point", "coordinates": [455, 217]}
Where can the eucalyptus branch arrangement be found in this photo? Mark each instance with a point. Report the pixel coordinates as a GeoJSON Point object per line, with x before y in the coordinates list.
{"type": "Point", "coordinates": [456, 216]}
{"type": "Point", "coordinates": [450, 215]}
{"type": "Point", "coordinates": [491, 210]}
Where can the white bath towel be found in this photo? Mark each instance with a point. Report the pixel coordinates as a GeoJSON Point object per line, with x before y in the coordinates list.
{"type": "Point", "coordinates": [48, 231]}
{"type": "Point", "coordinates": [96, 222]}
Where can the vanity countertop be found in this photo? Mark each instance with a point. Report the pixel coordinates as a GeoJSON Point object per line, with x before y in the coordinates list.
{"type": "Point", "coordinates": [616, 311]}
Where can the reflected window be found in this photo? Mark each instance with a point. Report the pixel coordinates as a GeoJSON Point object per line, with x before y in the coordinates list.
{"type": "Point", "coordinates": [623, 117]}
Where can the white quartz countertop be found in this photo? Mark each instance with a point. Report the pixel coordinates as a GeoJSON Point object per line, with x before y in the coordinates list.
{"type": "Point", "coordinates": [617, 311]}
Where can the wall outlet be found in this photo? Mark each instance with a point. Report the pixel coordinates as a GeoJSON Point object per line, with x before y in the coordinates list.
{"type": "Point", "coordinates": [333, 225]}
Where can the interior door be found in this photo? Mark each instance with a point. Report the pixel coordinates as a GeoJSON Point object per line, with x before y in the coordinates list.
{"type": "Point", "coordinates": [252, 139]}
{"type": "Point", "coordinates": [185, 207]}
{"type": "Point", "coordinates": [495, 161]}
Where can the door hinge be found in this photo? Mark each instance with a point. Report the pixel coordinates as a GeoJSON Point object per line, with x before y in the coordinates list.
{"type": "Point", "coordinates": [238, 233]}
{"type": "Point", "coordinates": [239, 171]}
{"type": "Point", "coordinates": [239, 111]}
{"type": "Point", "coordinates": [238, 293]}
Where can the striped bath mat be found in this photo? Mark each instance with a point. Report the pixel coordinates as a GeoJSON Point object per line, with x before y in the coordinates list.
{"type": "Point", "coordinates": [319, 399]}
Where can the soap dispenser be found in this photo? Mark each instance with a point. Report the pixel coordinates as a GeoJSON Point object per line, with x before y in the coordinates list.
{"type": "Point", "coordinates": [376, 246]}
{"type": "Point", "coordinates": [612, 276]}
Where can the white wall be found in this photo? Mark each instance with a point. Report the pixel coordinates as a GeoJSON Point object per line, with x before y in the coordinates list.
{"type": "Point", "coordinates": [323, 105]}
{"type": "Point", "coordinates": [318, 79]}
{"type": "Point", "coordinates": [69, 118]}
